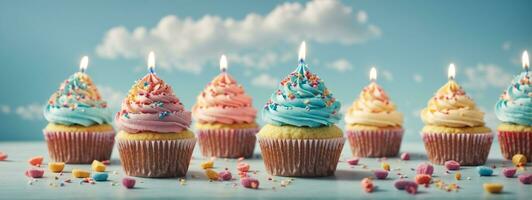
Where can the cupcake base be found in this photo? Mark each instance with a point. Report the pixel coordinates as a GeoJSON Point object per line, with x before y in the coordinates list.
{"type": "Point", "coordinates": [79, 147]}
{"type": "Point", "coordinates": [301, 157]}
{"type": "Point", "coordinates": [156, 158]}
{"type": "Point", "coordinates": [375, 143]}
{"type": "Point", "coordinates": [469, 149]}
{"type": "Point", "coordinates": [515, 143]}
{"type": "Point", "coordinates": [227, 143]}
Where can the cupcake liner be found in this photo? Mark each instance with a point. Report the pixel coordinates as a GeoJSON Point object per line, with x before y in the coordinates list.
{"type": "Point", "coordinates": [227, 143]}
{"type": "Point", "coordinates": [158, 158]}
{"type": "Point", "coordinates": [515, 143]}
{"type": "Point", "coordinates": [79, 147]}
{"type": "Point", "coordinates": [466, 148]}
{"type": "Point", "coordinates": [301, 157]}
{"type": "Point", "coordinates": [375, 143]}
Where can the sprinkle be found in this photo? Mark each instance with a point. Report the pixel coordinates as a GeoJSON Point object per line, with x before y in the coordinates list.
{"type": "Point", "coordinates": [367, 185]}
{"type": "Point", "coordinates": [353, 161]}
{"type": "Point", "coordinates": [106, 162]}
{"type": "Point", "coordinates": [250, 183]}
{"type": "Point", "coordinates": [163, 114]}
{"type": "Point", "coordinates": [425, 168]}
{"type": "Point", "coordinates": [98, 166]}
{"type": "Point", "coordinates": [36, 161]}
{"type": "Point", "coordinates": [3, 156]}
{"type": "Point", "coordinates": [128, 182]}
{"type": "Point", "coordinates": [79, 173]}
{"type": "Point", "coordinates": [452, 165]}
{"type": "Point", "coordinates": [56, 167]}
{"type": "Point", "coordinates": [242, 167]}
{"type": "Point", "coordinates": [423, 179]}
{"type": "Point", "coordinates": [509, 172]}
{"type": "Point", "coordinates": [525, 178]}
{"type": "Point", "coordinates": [405, 156]}
{"type": "Point", "coordinates": [493, 187]}
{"type": "Point", "coordinates": [484, 171]}
{"type": "Point", "coordinates": [409, 186]}
{"type": "Point", "coordinates": [380, 174]}
{"type": "Point", "coordinates": [385, 166]}
{"type": "Point", "coordinates": [34, 173]}
{"type": "Point", "coordinates": [225, 175]}
{"type": "Point", "coordinates": [100, 176]}
{"type": "Point", "coordinates": [519, 160]}
{"type": "Point", "coordinates": [207, 164]}
{"type": "Point", "coordinates": [211, 175]}
{"type": "Point", "coordinates": [458, 176]}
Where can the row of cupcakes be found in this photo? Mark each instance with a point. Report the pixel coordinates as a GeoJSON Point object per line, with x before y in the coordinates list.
{"type": "Point", "coordinates": [300, 137]}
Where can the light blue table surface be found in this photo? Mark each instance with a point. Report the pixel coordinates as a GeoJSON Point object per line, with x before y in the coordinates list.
{"type": "Point", "coordinates": [344, 185]}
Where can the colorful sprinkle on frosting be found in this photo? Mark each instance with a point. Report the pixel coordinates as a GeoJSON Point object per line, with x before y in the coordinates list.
{"type": "Point", "coordinates": [302, 100]}
{"type": "Point", "coordinates": [77, 102]}
{"type": "Point", "coordinates": [152, 106]}
{"type": "Point", "coordinates": [515, 104]}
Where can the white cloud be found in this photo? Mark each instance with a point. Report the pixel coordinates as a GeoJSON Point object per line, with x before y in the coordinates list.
{"type": "Point", "coordinates": [485, 76]}
{"type": "Point", "coordinates": [265, 80]}
{"type": "Point", "coordinates": [387, 75]}
{"type": "Point", "coordinates": [112, 96]}
{"type": "Point", "coordinates": [340, 65]}
{"type": "Point", "coordinates": [416, 112]}
{"type": "Point", "coordinates": [32, 111]}
{"type": "Point", "coordinates": [5, 109]}
{"type": "Point", "coordinates": [506, 46]}
{"type": "Point", "coordinates": [490, 118]}
{"type": "Point", "coordinates": [418, 78]}
{"type": "Point", "coordinates": [188, 44]}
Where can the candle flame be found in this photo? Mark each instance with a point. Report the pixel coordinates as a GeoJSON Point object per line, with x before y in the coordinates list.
{"type": "Point", "coordinates": [302, 51]}
{"type": "Point", "coordinates": [223, 63]}
{"type": "Point", "coordinates": [373, 74]}
{"type": "Point", "coordinates": [84, 63]}
{"type": "Point", "coordinates": [525, 60]}
{"type": "Point", "coordinates": [151, 61]}
{"type": "Point", "coordinates": [451, 73]}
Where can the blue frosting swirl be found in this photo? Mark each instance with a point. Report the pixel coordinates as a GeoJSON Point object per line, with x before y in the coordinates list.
{"type": "Point", "coordinates": [302, 100]}
{"type": "Point", "coordinates": [515, 104]}
{"type": "Point", "coordinates": [77, 102]}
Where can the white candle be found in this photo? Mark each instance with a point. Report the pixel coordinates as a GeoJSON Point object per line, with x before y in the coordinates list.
{"type": "Point", "coordinates": [302, 51]}
{"type": "Point", "coordinates": [525, 61]}
{"type": "Point", "coordinates": [223, 63]}
{"type": "Point", "coordinates": [83, 64]}
{"type": "Point", "coordinates": [451, 72]}
{"type": "Point", "coordinates": [373, 74]}
{"type": "Point", "coordinates": [151, 62]}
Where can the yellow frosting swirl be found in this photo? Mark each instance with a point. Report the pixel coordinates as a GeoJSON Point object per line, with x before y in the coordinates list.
{"type": "Point", "coordinates": [451, 107]}
{"type": "Point", "coordinates": [373, 108]}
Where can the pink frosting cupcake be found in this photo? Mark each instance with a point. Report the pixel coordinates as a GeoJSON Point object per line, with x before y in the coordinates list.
{"type": "Point", "coordinates": [225, 118]}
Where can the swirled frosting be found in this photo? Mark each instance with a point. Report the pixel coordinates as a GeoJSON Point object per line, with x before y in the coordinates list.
{"type": "Point", "coordinates": [451, 107]}
{"type": "Point", "coordinates": [224, 101]}
{"type": "Point", "coordinates": [515, 104]}
{"type": "Point", "coordinates": [373, 108]}
{"type": "Point", "coordinates": [301, 100]}
{"type": "Point", "coordinates": [151, 106]}
{"type": "Point", "coordinates": [77, 102]}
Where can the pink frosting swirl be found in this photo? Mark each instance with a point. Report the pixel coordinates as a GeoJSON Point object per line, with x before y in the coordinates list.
{"type": "Point", "coordinates": [224, 101]}
{"type": "Point", "coordinates": [152, 106]}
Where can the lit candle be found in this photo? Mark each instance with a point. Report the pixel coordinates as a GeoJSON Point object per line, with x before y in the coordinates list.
{"type": "Point", "coordinates": [526, 61]}
{"type": "Point", "coordinates": [223, 63]}
{"type": "Point", "coordinates": [302, 52]}
{"type": "Point", "coordinates": [373, 74]}
{"type": "Point", "coordinates": [83, 64]}
{"type": "Point", "coordinates": [151, 62]}
{"type": "Point", "coordinates": [451, 73]}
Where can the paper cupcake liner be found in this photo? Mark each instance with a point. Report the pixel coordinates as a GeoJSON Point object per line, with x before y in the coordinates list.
{"type": "Point", "coordinates": [515, 143]}
{"type": "Point", "coordinates": [466, 148]}
{"type": "Point", "coordinates": [159, 158]}
{"type": "Point", "coordinates": [301, 158]}
{"type": "Point", "coordinates": [227, 143]}
{"type": "Point", "coordinates": [79, 147]}
{"type": "Point", "coordinates": [375, 143]}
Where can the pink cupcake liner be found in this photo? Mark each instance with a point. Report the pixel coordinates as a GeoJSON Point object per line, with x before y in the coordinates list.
{"type": "Point", "coordinates": [301, 158]}
{"type": "Point", "coordinates": [227, 143]}
{"type": "Point", "coordinates": [466, 148]}
{"type": "Point", "coordinates": [158, 158]}
{"type": "Point", "coordinates": [79, 147]}
{"type": "Point", "coordinates": [375, 143]}
{"type": "Point", "coordinates": [515, 143]}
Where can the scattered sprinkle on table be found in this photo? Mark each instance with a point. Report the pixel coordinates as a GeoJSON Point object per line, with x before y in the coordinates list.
{"type": "Point", "coordinates": [353, 161]}
{"type": "Point", "coordinates": [452, 165]}
{"type": "Point", "coordinates": [509, 172]}
{"type": "Point", "coordinates": [493, 187]}
{"type": "Point", "coordinates": [250, 183]}
{"type": "Point", "coordinates": [56, 167]}
{"type": "Point", "coordinates": [98, 166]}
{"type": "Point", "coordinates": [484, 171]}
{"type": "Point", "coordinates": [128, 182]}
{"type": "Point", "coordinates": [34, 173]}
{"type": "Point", "coordinates": [367, 185]}
{"type": "Point", "coordinates": [380, 174]}
{"type": "Point", "coordinates": [425, 168]}
{"type": "Point", "coordinates": [519, 160]}
{"type": "Point", "coordinates": [525, 178]}
{"type": "Point", "coordinates": [405, 156]}
{"type": "Point", "coordinates": [79, 173]}
{"type": "Point", "coordinates": [207, 164]}
{"type": "Point", "coordinates": [36, 161]}
{"type": "Point", "coordinates": [3, 156]}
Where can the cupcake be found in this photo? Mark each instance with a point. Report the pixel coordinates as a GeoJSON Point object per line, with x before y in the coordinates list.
{"type": "Point", "coordinates": [514, 109]}
{"type": "Point", "coordinates": [225, 118]}
{"type": "Point", "coordinates": [373, 125]}
{"type": "Point", "coordinates": [454, 127]}
{"type": "Point", "coordinates": [154, 140]}
{"type": "Point", "coordinates": [300, 137]}
{"type": "Point", "coordinates": [79, 129]}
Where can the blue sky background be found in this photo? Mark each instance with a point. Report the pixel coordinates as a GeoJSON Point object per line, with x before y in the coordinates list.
{"type": "Point", "coordinates": [410, 42]}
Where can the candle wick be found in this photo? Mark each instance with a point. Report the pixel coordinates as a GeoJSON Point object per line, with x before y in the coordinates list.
{"type": "Point", "coordinates": [301, 61]}
{"type": "Point", "coordinates": [152, 70]}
